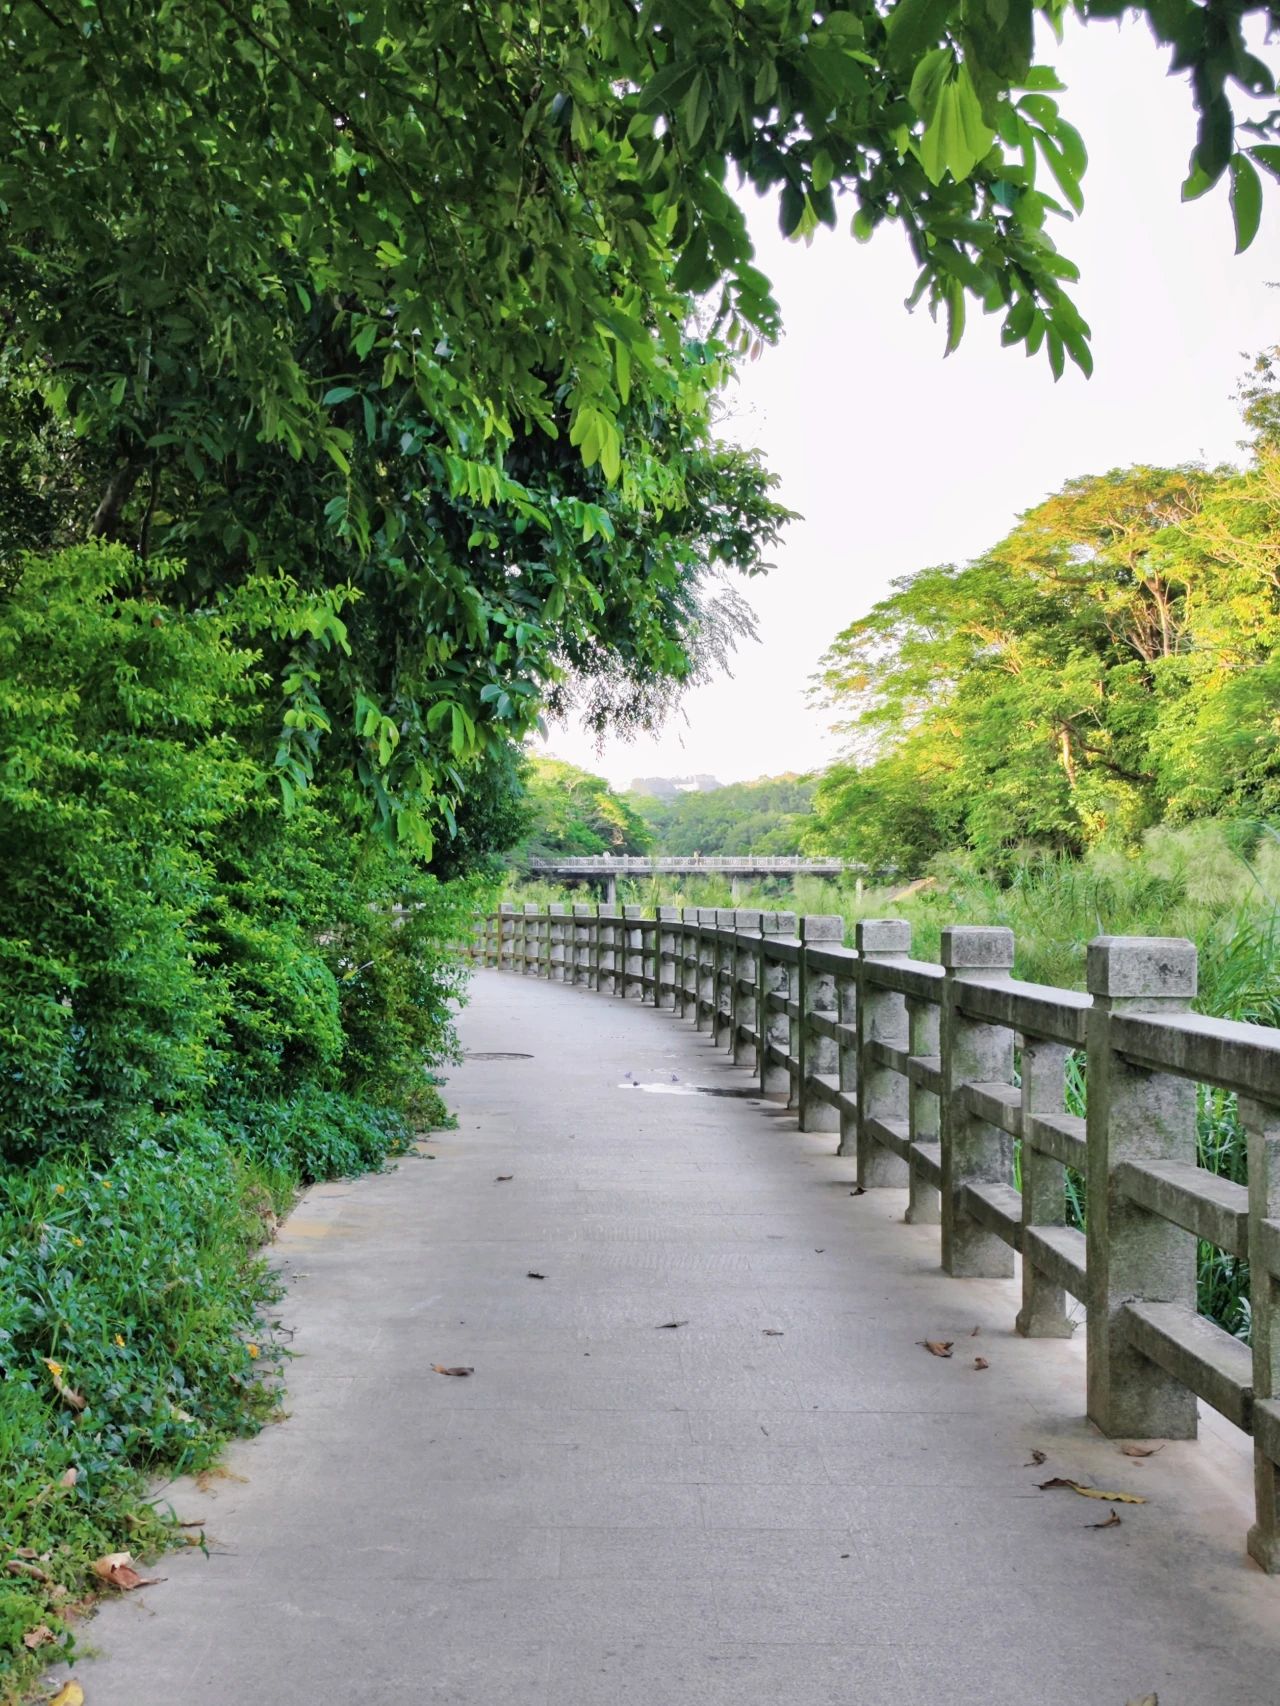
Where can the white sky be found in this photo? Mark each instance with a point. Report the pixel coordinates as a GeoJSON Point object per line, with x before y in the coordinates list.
{"type": "Point", "coordinates": [897, 459]}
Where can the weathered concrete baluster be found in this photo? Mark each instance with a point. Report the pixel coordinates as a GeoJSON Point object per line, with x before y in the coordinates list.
{"type": "Point", "coordinates": [746, 962]}
{"type": "Point", "coordinates": [558, 968]}
{"type": "Point", "coordinates": [704, 1012]}
{"type": "Point", "coordinates": [582, 945]}
{"type": "Point", "coordinates": [973, 1052]}
{"type": "Point", "coordinates": [1261, 1121]}
{"type": "Point", "coordinates": [817, 999]}
{"type": "Point", "coordinates": [632, 954]}
{"type": "Point", "coordinates": [847, 1054]}
{"type": "Point", "coordinates": [774, 1027]}
{"type": "Point", "coordinates": [667, 949]}
{"type": "Point", "coordinates": [687, 965]}
{"type": "Point", "coordinates": [608, 932]}
{"type": "Point", "coordinates": [924, 1205]}
{"type": "Point", "coordinates": [882, 1018]}
{"type": "Point", "coordinates": [1135, 1115]}
{"type": "Point", "coordinates": [506, 936]}
{"type": "Point", "coordinates": [1044, 1188]}
{"type": "Point", "coordinates": [722, 979]}
{"type": "Point", "coordinates": [528, 943]}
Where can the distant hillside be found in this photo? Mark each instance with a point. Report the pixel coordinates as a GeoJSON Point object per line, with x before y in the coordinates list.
{"type": "Point", "coordinates": [672, 787]}
{"type": "Point", "coordinates": [766, 816]}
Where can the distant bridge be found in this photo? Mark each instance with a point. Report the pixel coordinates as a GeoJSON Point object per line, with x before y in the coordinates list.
{"type": "Point", "coordinates": [606, 868]}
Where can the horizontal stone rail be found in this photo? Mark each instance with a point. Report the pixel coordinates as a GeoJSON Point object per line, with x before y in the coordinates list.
{"type": "Point", "coordinates": [950, 1080]}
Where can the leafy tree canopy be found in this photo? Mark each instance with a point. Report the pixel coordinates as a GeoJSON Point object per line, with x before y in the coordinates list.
{"type": "Point", "coordinates": [768, 815]}
{"type": "Point", "coordinates": [573, 813]}
{"type": "Point", "coordinates": [378, 318]}
{"type": "Point", "coordinates": [1111, 664]}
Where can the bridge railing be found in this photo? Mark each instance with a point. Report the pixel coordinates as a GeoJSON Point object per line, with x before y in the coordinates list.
{"type": "Point", "coordinates": [951, 1080]}
{"type": "Point", "coordinates": [598, 865]}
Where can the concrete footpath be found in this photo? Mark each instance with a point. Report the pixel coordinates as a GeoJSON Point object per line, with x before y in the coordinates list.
{"type": "Point", "coordinates": [784, 1500]}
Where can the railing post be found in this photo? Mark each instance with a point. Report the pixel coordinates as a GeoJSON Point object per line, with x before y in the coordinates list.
{"type": "Point", "coordinates": [607, 933]}
{"type": "Point", "coordinates": [1044, 1188]}
{"type": "Point", "coordinates": [882, 1018]}
{"type": "Point", "coordinates": [847, 1056]}
{"type": "Point", "coordinates": [687, 979]}
{"type": "Point", "coordinates": [924, 1019]}
{"type": "Point", "coordinates": [632, 954]}
{"type": "Point", "coordinates": [746, 956]}
{"type": "Point", "coordinates": [972, 1052]}
{"type": "Point", "coordinates": [506, 936]}
{"type": "Point", "coordinates": [1262, 1124]}
{"type": "Point", "coordinates": [582, 945]}
{"type": "Point", "coordinates": [722, 980]}
{"type": "Point", "coordinates": [666, 947]}
{"type": "Point", "coordinates": [817, 997]}
{"type": "Point", "coordinates": [705, 972]}
{"type": "Point", "coordinates": [558, 963]}
{"type": "Point", "coordinates": [774, 1028]}
{"type": "Point", "coordinates": [1134, 1114]}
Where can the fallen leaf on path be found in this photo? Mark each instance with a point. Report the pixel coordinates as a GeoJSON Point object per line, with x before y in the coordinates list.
{"type": "Point", "coordinates": [502, 1178]}
{"type": "Point", "coordinates": [1141, 1450]}
{"type": "Point", "coordinates": [981, 1363]}
{"type": "Point", "coordinates": [1037, 1458]}
{"type": "Point", "coordinates": [1147, 1700]}
{"type": "Point", "coordinates": [69, 1477]}
{"type": "Point", "coordinates": [820, 1252]}
{"type": "Point", "coordinates": [217, 1472]}
{"type": "Point", "coordinates": [975, 1332]}
{"type": "Point", "coordinates": [858, 1191]}
{"type": "Point", "coordinates": [772, 1332]}
{"type": "Point", "coordinates": [439, 1368]}
{"type": "Point", "coordinates": [71, 1695]}
{"type": "Point", "coordinates": [532, 1275]}
{"type": "Point", "coordinates": [937, 1347]}
{"type": "Point", "coordinates": [117, 1570]}
{"type": "Point", "coordinates": [16, 1567]}
{"type": "Point", "coordinates": [191, 1522]}
{"type": "Point", "coordinates": [664, 1326]}
{"type": "Point", "coordinates": [40, 1636]}
{"type": "Point", "coordinates": [1094, 1492]}
{"type": "Point", "coordinates": [72, 1399]}
{"type": "Point", "coordinates": [1113, 1521]}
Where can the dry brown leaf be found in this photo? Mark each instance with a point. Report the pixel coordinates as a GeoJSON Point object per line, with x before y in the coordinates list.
{"type": "Point", "coordinates": [1113, 1521]}
{"type": "Point", "coordinates": [16, 1567]}
{"type": "Point", "coordinates": [69, 1478]}
{"type": "Point", "coordinates": [70, 1397]}
{"type": "Point", "coordinates": [975, 1332]}
{"type": "Point", "coordinates": [1146, 1700]}
{"type": "Point", "coordinates": [981, 1363]}
{"type": "Point", "coordinates": [858, 1191]}
{"type": "Point", "coordinates": [532, 1275]}
{"type": "Point", "coordinates": [71, 1695]}
{"type": "Point", "coordinates": [503, 1178]}
{"type": "Point", "coordinates": [666, 1326]}
{"type": "Point", "coordinates": [40, 1636]}
{"type": "Point", "coordinates": [1141, 1450]}
{"type": "Point", "coordinates": [439, 1368]}
{"type": "Point", "coordinates": [1094, 1492]}
{"type": "Point", "coordinates": [1037, 1458]}
{"type": "Point", "coordinates": [772, 1332]}
{"type": "Point", "coordinates": [116, 1569]}
{"type": "Point", "coordinates": [938, 1347]}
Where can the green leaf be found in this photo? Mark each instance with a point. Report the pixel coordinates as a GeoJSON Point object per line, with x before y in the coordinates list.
{"type": "Point", "coordinates": [913, 26]}
{"type": "Point", "coordinates": [337, 394]}
{"type": "Point", "coordinates": [1246, 201]}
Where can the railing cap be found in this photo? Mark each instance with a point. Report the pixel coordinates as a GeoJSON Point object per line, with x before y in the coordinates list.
{"type": "Point", "coordinates": [822, 927]}
{"type": "Point", "coordinates": [883, 936]}
{"type": "Point", "coordinates": [1147, 966]}
{"type": "Point", "coordinates": [977, 947]}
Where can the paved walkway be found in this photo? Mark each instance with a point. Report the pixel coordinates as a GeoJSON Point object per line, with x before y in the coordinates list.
{"type": "Point", "coordinates": [784, 1501]}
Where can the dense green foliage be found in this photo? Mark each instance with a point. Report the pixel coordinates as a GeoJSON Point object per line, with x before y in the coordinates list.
{"type": "Point", "coordinates": [205, 1002]}
{"type": "Point", "coordinates": [1110, 665]}
{"type": "Point", "coordinates": [768, 815]}
{"type": "Point", "coordinates": [575, 814]}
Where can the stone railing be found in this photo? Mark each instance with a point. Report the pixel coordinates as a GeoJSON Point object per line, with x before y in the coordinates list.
{"type": "Point", "coordinates": [932, 1074]}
